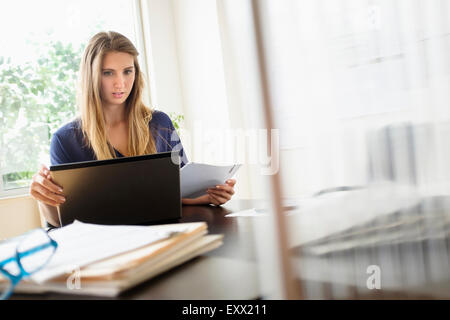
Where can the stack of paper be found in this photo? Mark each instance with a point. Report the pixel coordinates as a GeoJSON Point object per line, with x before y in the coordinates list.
{"type": "Point", "coordinates": [106, 260]}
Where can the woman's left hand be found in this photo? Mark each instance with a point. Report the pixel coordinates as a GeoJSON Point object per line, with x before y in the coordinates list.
{"type": "Point", "coordinates": [217, 195]}
{"type": "Point", "coordinates": [221, 193]}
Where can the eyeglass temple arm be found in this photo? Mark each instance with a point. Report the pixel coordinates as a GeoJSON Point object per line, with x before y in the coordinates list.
{"type": "Point", "coordinates": [35, 249]}
{"type": "Point", "coordinates": [28, 252]}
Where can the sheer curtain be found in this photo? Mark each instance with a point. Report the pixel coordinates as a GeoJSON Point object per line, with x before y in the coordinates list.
{"type": "Point", "coordinates": [360, 95]}
{"type": "Point", "coordinates": [339, 71]}
{"type": "Point", "coordinates": [342, 69]}
{"type": "Point", "coordinates": [218, 97]}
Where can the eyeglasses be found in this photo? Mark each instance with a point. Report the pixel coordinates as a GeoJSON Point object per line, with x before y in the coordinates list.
{"type": "Point", "coordinates": [23, 256]}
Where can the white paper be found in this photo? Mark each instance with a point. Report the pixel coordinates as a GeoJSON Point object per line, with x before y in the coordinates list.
{"type": "Point", "coordinates": [247, 213]}
{"type": "Point", "coordinates": [80, 244]}
{"type": "Point", "coordinates": [197, 177]}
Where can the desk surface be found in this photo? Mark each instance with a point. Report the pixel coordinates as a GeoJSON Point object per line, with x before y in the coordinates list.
{"type": "Point", "coordinates": [228, 272]}
{"type": "Point", "coordinates": [231, 271]}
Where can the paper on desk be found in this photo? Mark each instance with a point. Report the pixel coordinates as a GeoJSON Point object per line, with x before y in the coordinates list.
{"type": "Point", "coordinates": [197, 177]}
{"type": "Point", "coordinates": [247, 213]}
{"type": "Point", "coordinates": [80, 244]}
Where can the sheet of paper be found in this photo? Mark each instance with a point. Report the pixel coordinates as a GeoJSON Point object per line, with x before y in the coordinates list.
{"type": "Point", "coordinates": [247, 213]}
{"type": "Point", "coordinates": [80, 244]}
{"type": "Point", "coordinates": [197, 177]}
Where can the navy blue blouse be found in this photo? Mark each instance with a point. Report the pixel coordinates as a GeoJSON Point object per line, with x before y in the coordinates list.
{"type": "Point", "coordinates": [68, 145]}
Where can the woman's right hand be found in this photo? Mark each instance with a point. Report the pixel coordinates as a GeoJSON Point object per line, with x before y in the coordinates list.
{"type": "Point", "coordinates": [45, 190]}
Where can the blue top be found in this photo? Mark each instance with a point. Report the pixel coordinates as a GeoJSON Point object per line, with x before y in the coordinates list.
{"type": "Point", "coordinates": [68, 145]}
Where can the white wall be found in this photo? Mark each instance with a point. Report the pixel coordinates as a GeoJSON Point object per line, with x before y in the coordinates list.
{"type": "Point", "coordinates": [162, 57]}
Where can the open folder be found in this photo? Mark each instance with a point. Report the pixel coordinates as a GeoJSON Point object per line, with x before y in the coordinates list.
{"type": "Point", "coordinates": [118, 257]}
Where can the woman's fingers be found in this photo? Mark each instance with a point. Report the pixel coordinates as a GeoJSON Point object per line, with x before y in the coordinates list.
{"type": "Point", "coordinates": [44, 181]}
{"type": "Point", "coordinates": [43, 199]}
{"type": "Point", "coordinates": [45, 172]}
{"type": "Point", "coordinates": [217, 200]}
{"type": "Point", "coordinates": [222, 194]}
{"type": "Point", "coordinates": [231, 182]}
{"type": "Point", "coordinates": [213, 200]}
{"type": "Point", "coordinates": [43, 189]}
{"type": "Point", "coordinates": [223, 188]}
{"type": "Point", "coordinates": [43, 168]}
{"type": "Point", "coordinates": [48, 194]}
{"type": "Point", "coordinates": [44, 195]}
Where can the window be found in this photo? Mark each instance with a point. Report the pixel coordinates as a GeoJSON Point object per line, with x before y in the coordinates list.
{"type": "Point", "coordinates": [39, 62]}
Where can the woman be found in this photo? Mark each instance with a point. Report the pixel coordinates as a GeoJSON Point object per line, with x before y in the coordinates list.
{"type": "Point", "coordinates": [114, 122]}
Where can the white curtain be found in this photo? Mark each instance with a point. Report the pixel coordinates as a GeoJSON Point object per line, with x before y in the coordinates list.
{"type": "Point", "coordinates": [360, 95]}
{"type": "Point", "coordinates": [341, 72]}
{"type": "Point", "coordinates": [219, 98]}
{"type": "Point", "coordinates": [360, 92]}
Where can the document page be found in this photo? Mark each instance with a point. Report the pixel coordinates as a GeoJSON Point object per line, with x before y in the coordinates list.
{"type": "Point", "coordinates": [197, 177]}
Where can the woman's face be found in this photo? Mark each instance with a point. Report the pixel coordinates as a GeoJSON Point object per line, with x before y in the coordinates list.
{"type": "Point", "coordinates": [117, 76]}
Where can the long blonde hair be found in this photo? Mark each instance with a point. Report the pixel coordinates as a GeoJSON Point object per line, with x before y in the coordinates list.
{"type": "Point", "coordinates": [140, 139]}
